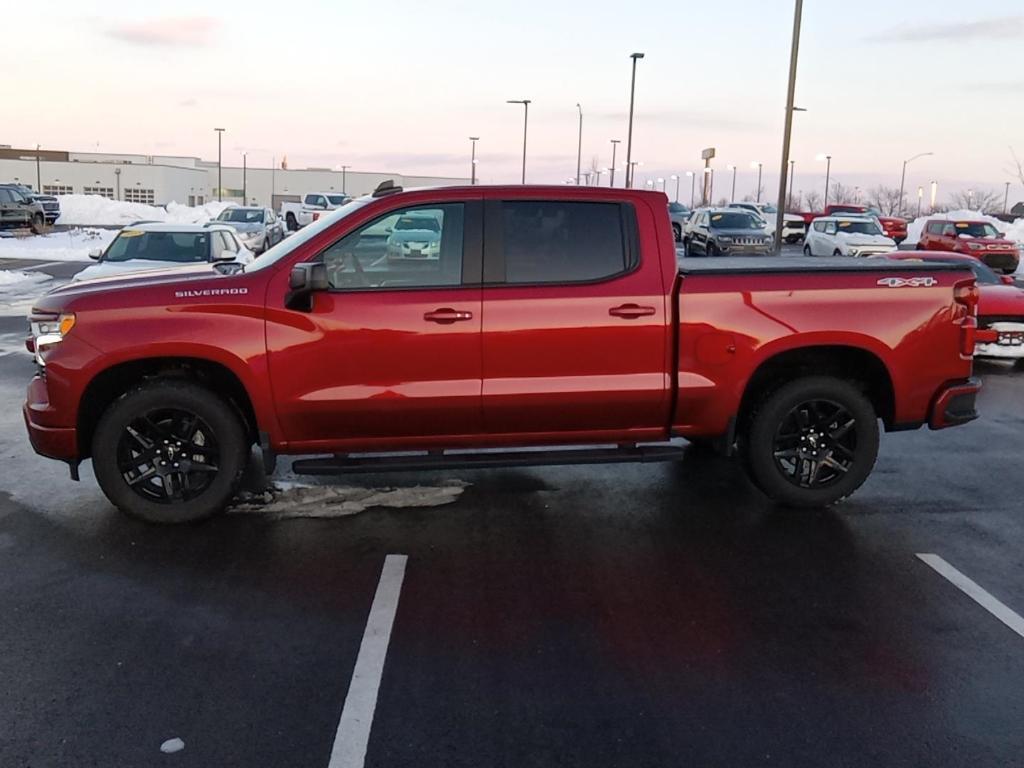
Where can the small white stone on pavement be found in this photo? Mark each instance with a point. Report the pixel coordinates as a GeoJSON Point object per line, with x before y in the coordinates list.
{"type": "Point", "coordinates": [172, 745]}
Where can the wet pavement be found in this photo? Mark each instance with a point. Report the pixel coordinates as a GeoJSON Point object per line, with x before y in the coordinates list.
{"type": "Point", "coordinates": [633, 615]}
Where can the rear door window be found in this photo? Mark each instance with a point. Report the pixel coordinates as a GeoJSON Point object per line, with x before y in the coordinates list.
{"type": "Point", "coordinates": [561, 242]}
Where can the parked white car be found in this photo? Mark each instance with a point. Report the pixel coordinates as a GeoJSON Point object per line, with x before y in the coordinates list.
{"type": "Point", "coordinates": [146, 247]}
{"type": "Point", "coordinates": [312, 207]}
{"type": "Point", "coordinates": [794, 228]}
{"type": "Point", "coordinates": [846, 236]}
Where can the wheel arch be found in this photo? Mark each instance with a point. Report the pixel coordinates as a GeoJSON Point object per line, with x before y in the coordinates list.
{"type": "Point", "coordinates": [113, 382]}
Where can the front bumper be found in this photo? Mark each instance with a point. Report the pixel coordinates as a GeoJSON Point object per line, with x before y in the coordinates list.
{"type": "Point", "coordinates": [51, 441]}
{"type": "Point", "coordinates": [1009, 345]}
{"type": "Point", "coordinates": [955, 404]}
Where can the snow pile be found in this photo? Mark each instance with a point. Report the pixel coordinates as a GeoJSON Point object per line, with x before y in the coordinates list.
{"type": "Point", "coordinates": [14, 279]}
{"type": "Point", "coordinates": [1014, 231]}
{"type": "Point", "coordinates": [73, 245]}
{"type": "Point", "coordinates": [93, 210]}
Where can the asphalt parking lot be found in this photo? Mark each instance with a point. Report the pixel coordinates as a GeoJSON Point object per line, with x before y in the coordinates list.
{"type": "Point", "coordinates": [635, 615]}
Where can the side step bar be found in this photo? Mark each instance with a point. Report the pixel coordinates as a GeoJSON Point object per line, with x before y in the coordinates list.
{"type": "Point", "coordinates": [344, 464]}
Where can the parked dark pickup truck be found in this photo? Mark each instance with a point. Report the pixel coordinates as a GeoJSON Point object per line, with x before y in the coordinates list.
{"type": "Point", "coordinates": [548, 316]}
{"type": "Point", "coordinates": [18, 211]}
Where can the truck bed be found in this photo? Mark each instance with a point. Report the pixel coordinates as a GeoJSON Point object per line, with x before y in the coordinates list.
{"type": "Point", "coordinates": [785, 264]}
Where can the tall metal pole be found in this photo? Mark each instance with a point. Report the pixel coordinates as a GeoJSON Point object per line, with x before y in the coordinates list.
{"type": "Point", "coordinates": [579, 146]}
{"type": "Point", "coordinates": [732, 198]}
{"type": "Point", "coordinates": [828, 174]}
{"type": "Point", "coordinates": [117, 179]}
{"type": "Point", "coordinates": [693, 186]}
{"type": "Point", "coordinates": [760, 167]}
{"type": "Point", "coordinates": [526, 120]}
{"type": "Point", "coordinates": [1006, 199]}
{"type": "Point", "coordinates": [220, 182]}
{"type": "Point", "coordinates": [273, 178]}
{"type": "Point", "coordinates": [792, 173]}
{"type": "Point", "coordinates": [39, 174]}
{"type": "Point", "coordinates": [245, 198]}
{"type": "Point", "coordinates": [629, 140]}
{"type": "Point", "coordinates": [676, 177]}
{"type": "Point", "coordinates": [472, 161]}
{"type": "Point", "coordinates": [903, 177]}
{"type": "Point", "coordinates": [615, 145]}
{"type": "Point", "coordinates": [794, 54]}
{"type": "Point", "coordinates": [344, 179]}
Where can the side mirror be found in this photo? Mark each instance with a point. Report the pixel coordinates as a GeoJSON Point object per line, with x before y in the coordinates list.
{"type": "Point", "coordinates": [388, 230]}
{"type": "Point", "coordinates": [303, 282]}
{"type": "Point", "coordinates": [95, 254]}
{"type": "Point", "coordinates": [1007, 280]}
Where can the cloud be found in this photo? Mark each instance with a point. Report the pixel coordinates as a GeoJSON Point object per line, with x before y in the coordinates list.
{"type": "Point", "coordinates": [187, 103]}
{"type": "Point", "coordinates": [181, 32]}
{"type": "Point", "coordinates": [962, 31]}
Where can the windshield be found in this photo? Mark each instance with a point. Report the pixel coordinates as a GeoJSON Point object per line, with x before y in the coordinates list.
{"type": "Point", "coordinates": [976, 229]}
{"type": "Point", "coordinates": [337, 199]}
{"type": "Point", "coordinates": [735, 221]}
{"type": "Point", "coordinates": [242, 215]}
{"type": "Point", "coordinates": [865, 227]}
{"type": "Point", "coordinates": [419, 223]}
{"type": "Point", "coordinates": [769, 208]}
{"type": "Point", "coordinates": [307, 233]}
{"type": "Point", "coordinates": [677, 208]}
{"type": "Point", "coordinates": [177, 247]}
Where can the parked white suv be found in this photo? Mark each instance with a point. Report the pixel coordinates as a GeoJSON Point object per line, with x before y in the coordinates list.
{"type": "Point", "coordinates": [794, 228]}
{"type": "Point", "coordinates": [846, 236]}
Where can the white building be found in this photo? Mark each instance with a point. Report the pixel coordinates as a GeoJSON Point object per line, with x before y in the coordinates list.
{"type": "Point", "coordinates": [161, 179]}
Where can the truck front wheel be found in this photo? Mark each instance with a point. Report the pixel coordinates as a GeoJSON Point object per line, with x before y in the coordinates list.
{"type": "Point", "coordinates": [291, 222]}
{"type": "Point", "coordinates": [169, 452]}
{"type": "Point", "coordinates": [812, 442]}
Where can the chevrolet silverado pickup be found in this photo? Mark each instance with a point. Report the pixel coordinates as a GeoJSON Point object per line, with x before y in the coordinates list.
{"type": "Point", "coordinates": [548, 318]}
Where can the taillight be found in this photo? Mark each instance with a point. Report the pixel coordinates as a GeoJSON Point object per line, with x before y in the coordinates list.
{"type": "Point", "coordinates": [967, 295]}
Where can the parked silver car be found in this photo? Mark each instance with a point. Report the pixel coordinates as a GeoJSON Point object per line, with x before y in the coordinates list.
{"type": "Point", "coordinates": [258, 228]}
{"type": "Point", "coordinates": [415, 236]}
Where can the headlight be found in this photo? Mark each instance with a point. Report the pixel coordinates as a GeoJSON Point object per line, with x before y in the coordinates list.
{"type": "Point", "coordinates": [46, 333]}
{"type": "Point", "coordinates": [853, 251]}
{"type": "Point", "coordinates": [724, 239]}
{"type": "Point", "coordinates": [975, 246]}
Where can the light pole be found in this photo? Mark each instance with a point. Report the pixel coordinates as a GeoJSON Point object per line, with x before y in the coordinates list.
{"type": "Point", "coordinates": [579, 145]}
{"type": "Point", "coordinates": [39, 174]}
{"type": "Point", "coordinates": [705, 194]}
{"type": "Point", "coordinates": [629, 140]}
{"type": "Point", "coordinates": [920, 199]}
{"type": "Point", "coordinates": [220, 183]}
{"type": "Point", "coordinates": [1006, 199]}
{"type": "Point", "coordinates": [245, 199]}
{"type": "Point", "coordinates": [792, 173]}
{"type": "Point", "coordinates": [903, 178]}
{"type": "Point", "coordinates": [732, 197]}
{"type": "Point", "coordinates": [472, 161]}
{"type": "Point", "coordinates": [794, 54]}
{"type": "Point", "coordinates": [675, 178]}
{"type": "Point", "coordinates": [273, 179]}
{"type": "Point", "coordinates": [970, 199]}
{"type": "Point", "coordinates": [693, 186]}
{"type": "Point", "coordinates": [615, 146]}
{"type": "Point", "coordinates": [661, 180]}
{"type": "Point", "coordinates": [117, 182]}
{"type": "Point", "coordinates": [597, 177]}
{"type": "Point", "coordinates": [759, 165]}
{"type": "Point", "coordinates": [344, 179]}
{"type": "Point", "coordinates": [526, 119]}
{"type": "Point", "coordinates": [828, 174]}
{"type": "Point", "coordinates": [934, 196]}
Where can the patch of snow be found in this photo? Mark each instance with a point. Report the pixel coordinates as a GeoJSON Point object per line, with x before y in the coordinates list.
{"type": "Point", "coordinates": [93, 210]}
{"type": "Point", "coordinates": [73, 245]}
{"type": "Point", "coordinates": [293, 500]}
{"type": "Point", "coordinates": [171, 746]}
{"type": "Point", "coordinates": [13, 278]}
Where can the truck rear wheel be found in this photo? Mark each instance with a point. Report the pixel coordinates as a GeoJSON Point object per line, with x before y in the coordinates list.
{"type": "Point", "coordinates": [812, 442]}
{"type": "Point", "coordinates": [291, 222]}
{"type": "Point", "coordinates": [38, 224]}
{"type": "Point", "coordinates": [169, 452]}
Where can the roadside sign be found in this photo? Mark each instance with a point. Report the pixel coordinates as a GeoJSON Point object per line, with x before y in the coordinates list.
{"type": "Point", "coordinates": [708, 153]}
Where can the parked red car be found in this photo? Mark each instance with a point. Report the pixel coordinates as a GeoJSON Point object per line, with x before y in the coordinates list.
{"type": "Point", "coordinates": [550, 316]}
{"type": "Point", "coordinates": [892, 226]}
{"type": "Point", "coordinates": [979, 239]}
{"type": "Point", "coordinates": [1000, 304]}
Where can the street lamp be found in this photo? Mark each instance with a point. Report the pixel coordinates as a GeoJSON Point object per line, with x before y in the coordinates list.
{"type": "Point", "coordinates": [828, 174]}
{"type": "Point", "coordinates": [579, 145]}
{"type": "Point", "coordinates": [615, 146]}
{"type": "Point", "coordinates": [920, 198]}
{"type": "Point", "coordinates": [693, 186]}
{"type": "Point", "coordinates": [526, 119]}
{"type": "Point", "coordinates": [675, 178]}
{"type": "Point", "coordinates": [117, 181]}
{"type": "Point", "coordinates": [903, 178]}
{"type": "Point", "coordinates": [759, 165]}
{"type": "Point", "coordinates": [1006, 199]}
{"type": "Point", "coordinates": [597, 177]}
{"type": "Point", "coordinates": [661, 180]}
{"type": "Point", "coordinates": [472, 161]}
{"type": "Point", "coordinates": [244, 188]}
{"type": "Point", "coordinates": [794, 54]}
{"type": "Point", "coordinates": [629, 141]}
{"type": "Point", "coordinates": [792, 173]}
{"type": "Point", "coordinates": [732, 197]}
{"type": "Point", "coordinates": [220, 183]}
{"type": "Point", "coordinates": [935, 192]}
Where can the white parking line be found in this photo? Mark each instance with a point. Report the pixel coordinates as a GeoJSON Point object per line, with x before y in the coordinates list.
{"type": "Point", "coordinates": [44, 265]}
{"type": "Point", "coordinates": [353, 733]}
{"type": "Point", "coordinates": [1009, 617]}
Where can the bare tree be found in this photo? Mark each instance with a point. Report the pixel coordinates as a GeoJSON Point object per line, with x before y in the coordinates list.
{"type": "Point", "coordinates": [723, 202]}
{"type": "Point", "coordinates": [812, 200]}
{"type": "Point", "coordinates": [976, 200]}
{"type": "Point", "coordinates": [842, 194]}
{"type": "Point", "coordinates": [886, 200]}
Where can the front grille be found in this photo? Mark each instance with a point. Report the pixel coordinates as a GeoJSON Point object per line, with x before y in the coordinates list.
{"type": "Point", "coordinates": [747, 241]}
{"type": "Point", "coordinates": [1005, 261]}
{"type": "Point", "coordinates": [51, 206]}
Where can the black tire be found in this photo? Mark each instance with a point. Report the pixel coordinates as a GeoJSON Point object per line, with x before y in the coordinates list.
{"type": "Point", "coordinates": [290, 222]}
{"type": "Point", "coordinates": [677, 232]}
{"type": "Point", "coordinates": [837, 252]}
{"type": "Point", "coordinates": [807, 251]}
{"type": "Point", "coordinates": [794, 434]}
{"type": "Point", "coordinates": [129, 433]}
{"type": "Point", "coordinates": [712, 250]}
{"type": "Point", "coordinates": [38, 224]}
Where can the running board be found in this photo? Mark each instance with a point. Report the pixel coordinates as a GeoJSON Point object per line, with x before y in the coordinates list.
{"type": "Point", "coordinates": [344, 464]}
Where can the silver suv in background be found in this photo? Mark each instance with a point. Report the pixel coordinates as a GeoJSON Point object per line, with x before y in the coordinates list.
{"type": "Point", "coordinates": [258, 228]}
{"type": "Point", "coordinates": [678, 215]}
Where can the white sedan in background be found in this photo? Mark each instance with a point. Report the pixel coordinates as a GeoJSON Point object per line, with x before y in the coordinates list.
{"type": "Point", "coordinates": [846, 236]}
{"type": "Point", "coordinates": [145, 247]}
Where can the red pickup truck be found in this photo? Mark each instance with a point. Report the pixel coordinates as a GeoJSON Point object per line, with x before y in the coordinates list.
{"type": "Point", "coordinates": [543, 317]}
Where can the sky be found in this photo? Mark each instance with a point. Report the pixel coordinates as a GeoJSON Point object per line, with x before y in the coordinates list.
{"type": "Point", "coordinates": [400, 86]}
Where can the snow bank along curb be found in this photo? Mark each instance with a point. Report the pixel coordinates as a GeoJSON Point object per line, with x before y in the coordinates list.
{"type": "Point", "coordinates": [95, 210]}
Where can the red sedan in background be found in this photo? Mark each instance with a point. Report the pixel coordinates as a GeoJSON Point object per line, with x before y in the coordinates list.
{"type": "Point", "coordinates": [1001, 304]}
